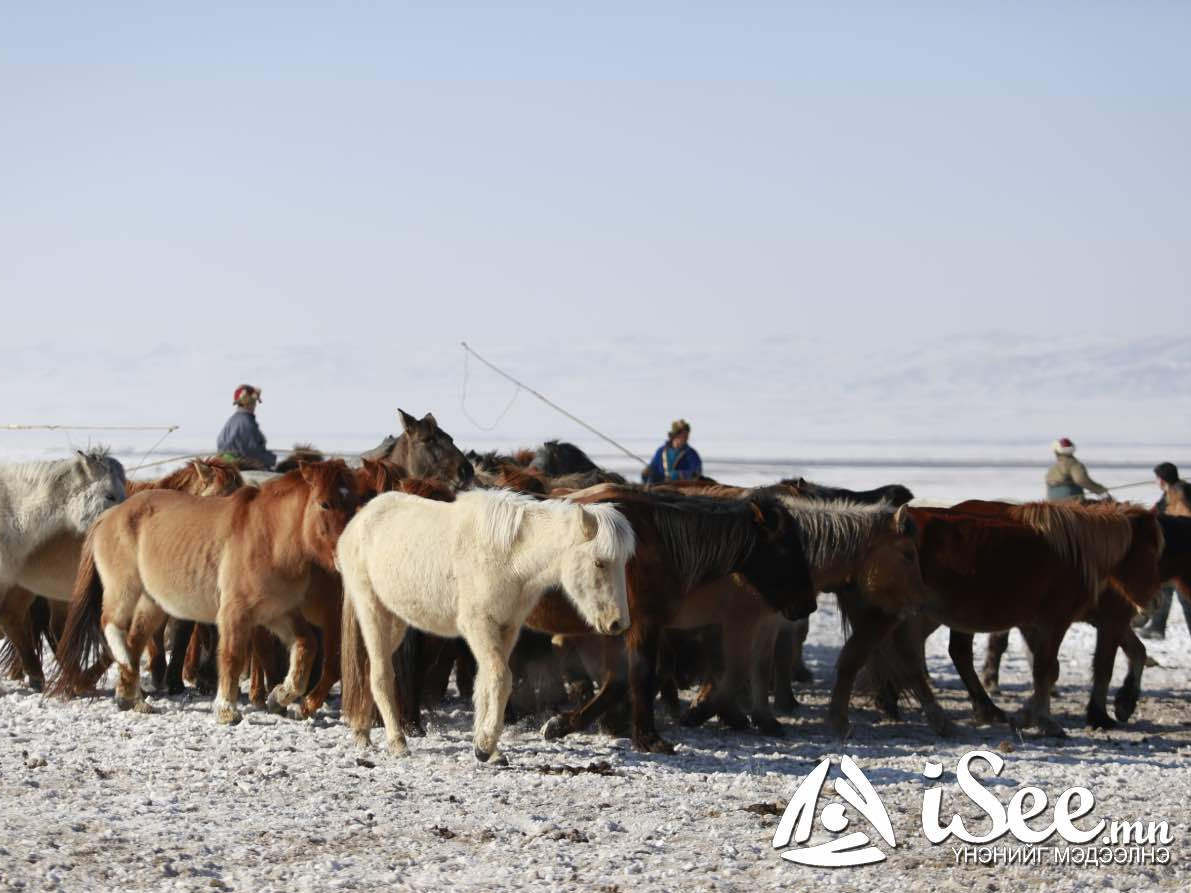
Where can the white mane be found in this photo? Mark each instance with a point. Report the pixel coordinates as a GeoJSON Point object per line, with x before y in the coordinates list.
{"type": "Point", "coordinates": [503, 511]}
{"type": "Point", "coordinates": [835, 531]}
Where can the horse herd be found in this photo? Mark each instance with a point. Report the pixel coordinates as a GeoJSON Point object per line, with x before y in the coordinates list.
{"type": "Point", "coordinates": [544, 583]}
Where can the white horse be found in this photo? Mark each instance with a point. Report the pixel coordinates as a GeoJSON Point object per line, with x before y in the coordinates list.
{"type": "Point", "coordinates": [475, 568]}
{"type": "Point", "coordinates": [40, 500]}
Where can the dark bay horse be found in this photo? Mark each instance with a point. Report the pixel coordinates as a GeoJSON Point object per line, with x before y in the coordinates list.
{"type": "Point", "coordinates": [425, 450]}
{"type": "Point", "coordinates": [683, 543]}
{"type": "Point", "coordinates": [1038, 567]}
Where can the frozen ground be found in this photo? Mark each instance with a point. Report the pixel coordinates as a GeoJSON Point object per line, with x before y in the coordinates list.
{"type": "Point", "coordinates": [92, 799]}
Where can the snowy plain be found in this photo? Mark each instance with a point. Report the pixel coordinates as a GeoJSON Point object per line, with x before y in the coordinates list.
{"type": "Point", "coordinates": [93, 799]}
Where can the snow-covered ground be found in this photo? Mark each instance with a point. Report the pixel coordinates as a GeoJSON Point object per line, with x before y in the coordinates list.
{"type": "Point", "coordinates": [93, 799]}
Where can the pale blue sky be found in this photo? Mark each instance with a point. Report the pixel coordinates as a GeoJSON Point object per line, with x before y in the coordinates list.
{"type": "Point", "coordinates": [286, 172]}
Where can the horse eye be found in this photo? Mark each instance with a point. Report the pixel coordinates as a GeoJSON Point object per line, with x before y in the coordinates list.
{"type": "Point", "coordinates": [325, 505]}
{"type": "Point", "coordinates": [599, 564]}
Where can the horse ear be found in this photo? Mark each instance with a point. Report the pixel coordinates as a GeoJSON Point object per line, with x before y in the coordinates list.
{"type": "Point", "coordinates": [758, 515]}
{"type": "Point", "coordinates": [430, 422]}
{"type": "Point", "coordinates": [408, 423]}
{"type": "Point", "coordinates": [590, 526]}
{"type": "Point", "coordinates": [203, 472]}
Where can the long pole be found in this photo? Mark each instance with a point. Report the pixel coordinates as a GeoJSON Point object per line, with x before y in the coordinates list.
{"type": "Point", "coordinates": [574, 418]}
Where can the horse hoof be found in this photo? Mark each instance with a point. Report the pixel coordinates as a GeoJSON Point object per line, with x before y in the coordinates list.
{"type": "Point", "coordinates": [495, 758]}
{"type": "Point", "coordinates": [786, 706]}
{"type": "Point", "coordinates": [1099, 719]}
{"type": "Point", "coordinates": [36, 684]}
{"type": "Point", "coordinates": [125, 703]}
{"type": "Point", "coordinates": [768, 725]}
{"type": "Point", "coordinates": [839, 728]}
{"type": "Point", "coordinates": [143, 708]}
{"type": "Point", "coordinates": [227, 715]}
{"type": "Point", "coordinates": [175, 689]}
{"type": "Point", "coordinates": [398, 748]}
{"type": "Point", "coordinates": [363, 739]}
{"type": "Point", "coordinates": [803, 674]}
{"type": "Point", "coordinates": [653, 744]}
{"type": "Point", "coordinates": [991, 716]}
{"type": "Point", "coordinates": [554, 729]}
{"type": "Point", "coordinates": [1124, 704]}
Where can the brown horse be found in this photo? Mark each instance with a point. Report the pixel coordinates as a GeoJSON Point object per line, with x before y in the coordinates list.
{"type": "Point", "coordinates": [50, 571]}
{"type": "Point", "coordinates": [1038, 567]}
{"type": "Point", "coordinates": [1113, 621]}
{"type": "Point", "coordinates": [425, 451]}
{"type": "Point", "coordinates": [238, 561]}
{"type": "Point", "coordinates": [683, 543]}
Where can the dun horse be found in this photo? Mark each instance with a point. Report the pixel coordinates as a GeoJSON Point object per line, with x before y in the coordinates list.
{"type": "Point", "coordinates": [475, 567]}
{"type": "Point", "coordinates": [239, 561]}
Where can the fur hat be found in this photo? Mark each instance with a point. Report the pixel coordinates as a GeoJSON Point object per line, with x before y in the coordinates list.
{"type": "Point", "coordinates": [245, 392]}
{"type": "Point", "coordinates": [1167, 472]}
{"type": "Point", "coordinates": [1063, 447]}
{"type": "Point", "coordinates": [678, 426]}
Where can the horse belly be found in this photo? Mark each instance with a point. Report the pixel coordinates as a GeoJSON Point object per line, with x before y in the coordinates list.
{"type": "Point", "coordinates": [186, 589]}
{"type": "Point", "coordinates": [51, 569]}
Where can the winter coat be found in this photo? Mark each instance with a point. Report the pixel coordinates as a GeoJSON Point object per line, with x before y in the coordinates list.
{"type": "Point", "coordinates": [1067, 479]}
{"type": "Point", "coordinates": [242, 437]}
{"type": "Point", "coordinates": [670, 464]}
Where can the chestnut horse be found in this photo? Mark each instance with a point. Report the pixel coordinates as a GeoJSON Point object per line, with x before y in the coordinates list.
{"type": "Point", "coordinates": [1114, 629]}
{"type": "Point", "coordinates": [51, 569]}
{"type": "Point", "coordinates": [685, 543]}
{"type": "Point", "coordinates": [1038, 567]}
{"type": "Point", "coordinates": [237, 561]}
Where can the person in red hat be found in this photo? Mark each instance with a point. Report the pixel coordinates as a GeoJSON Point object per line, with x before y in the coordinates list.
{"type": "Point", "coordinates": [241, 439]}
{"type": "Point", "coordinates": [1067, 479]}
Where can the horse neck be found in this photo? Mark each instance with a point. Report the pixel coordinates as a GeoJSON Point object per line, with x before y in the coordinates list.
{"type": "Point", "coordinates": [280, 519]}
{"type": "Point", "coordinates": [35, 512]}
{"type": "Point", "coordinates": [537, 551]}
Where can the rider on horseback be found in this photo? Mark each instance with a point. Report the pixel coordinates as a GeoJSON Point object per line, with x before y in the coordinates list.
{"type": "Point", "coordinates": [241, 439]}
{"type": "Point", "coordinates": [1067, 478]}
{"type": "Point", "coordinates": [674, 460]}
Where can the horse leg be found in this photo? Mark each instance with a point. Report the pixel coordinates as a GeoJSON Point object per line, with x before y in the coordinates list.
{"type": "Point", "coordinates": [642, 645]}
{"type": "Point", "coordinates": [147, 623]}
{"type": "Point", "coordinates": [765, 634]}
{"type": "Point", "coordinates": [612, 690]}
{"type": "Point", "coordinates": [157, 662]}
{"type": "Point", "coordinates": [784, 649]}
{"type": "Point", "coordinates": [301, 639]}
{"type": "Point", "coordinates": [465, 673]}
{"type": "Point", "coordinates": [869, 627]}
{"type": "Point", "coordinates": [802, 673]}
{"type": "Point", "coordinates": [959, 646]}
{"type": "Point", "coordinates": [332, 622]}
{"type": "Point", "coordinates": [258, 683]}
{"type": "Point", "coordinates": [492, 644]}
{"type": "Point", "coordinates": [909, 638]}
{"type": "Point", "coordinates": [235, 638]}
{"type": "Point", "coordinates": [179, 647]}
{"type": "Point", "coordinates": [1044, 644]}
{"type": "Point", "coordinates": [408, 675]}
{"type": "Point", "coordinates": [1103, 659]}
{"type": "Point", "coordinates": [17, 627]}
{"type": "Point", "coordinates": [1135, 650]}
{"type": "Point", "coordinates": [998, 644]}
{"type": "Point", "coordinates": [382, 632]}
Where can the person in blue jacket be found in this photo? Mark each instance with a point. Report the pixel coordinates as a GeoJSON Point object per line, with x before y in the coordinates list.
{"type": "Point", "coordinates": [675, 460]}
{"type": "Point", "coordinates": [241, 438]}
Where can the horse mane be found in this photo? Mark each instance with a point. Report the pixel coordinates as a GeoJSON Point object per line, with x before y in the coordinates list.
{"type": "Point", "coordinates": [705, 537]}
{"type": "Point", "coordinates": [426, 488]}
{"type": "Point", "coordinates": [1093, 538]}
{"type": "Point", "coordinates": [836, 531]}
{"type": "Point", "coordinates": [503, 512]}
{"type": "Point", "coordinates": [302, 452]}
{"type": "Point", "coordinates": [522, 457]}
{"type": "Point", "coordinates": [523, 480]}
{"type": "Point", "coordinates": [188, 477]}
{"type": "Point", "coordinates": [380, 476]}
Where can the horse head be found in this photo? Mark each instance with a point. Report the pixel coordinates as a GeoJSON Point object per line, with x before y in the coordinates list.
{"type": "Point", "coordinates": [777, 567]}
{"type": "Point", "coordinates": [1138, 575]}
{"type": "Point", "coordinates": [213, 477]}
{"type": "Point", "coordinates": [94, 482]}
{"type": "Point", "coordinates": [889, 573]}
{"type": "Point", "coordinates": [427, 451]}
{"type": "Point", "coordinates": [333, 495]}
{"type": "Point", "coordinates": [593, 568]}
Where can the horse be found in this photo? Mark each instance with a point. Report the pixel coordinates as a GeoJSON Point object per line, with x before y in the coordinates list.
{"type": "Point", "coordinates": [39, 500]}
{"type": "Point", "coordinates": [893, 494]}
{"type": "Point", "coordinates": [557, 457]}
{"type": "Point", "coordinates": [237, 561]}
{"type": "Point", "coordinates": [475, 567]}
{"type": "Point", "coordinates": [1039, 567]}
{"type": "Point", "coordinates": [50, 570]}
{"type": "Point", "coordinates": [789, 666]}
{"type": "Point", "coordinates": [686, 544]}
{"type": "Point", "coordinates": [1113, 621]}
{"type": "Point", "coordinates": [425, 450]}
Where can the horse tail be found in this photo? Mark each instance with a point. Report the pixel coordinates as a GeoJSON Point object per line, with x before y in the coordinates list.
{"type": "Point", "coordinates": [82, 643]}
{"type": "Point", "coordinates": [357, 705]}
